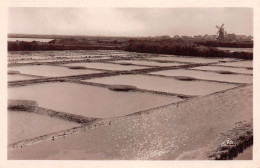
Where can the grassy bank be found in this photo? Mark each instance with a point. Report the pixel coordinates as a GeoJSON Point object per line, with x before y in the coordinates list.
{"type": "Point", "coordinates": [242, 135]}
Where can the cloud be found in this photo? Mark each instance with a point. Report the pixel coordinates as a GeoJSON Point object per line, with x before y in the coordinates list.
{"type": "Point", "coordinates": [129, 21]}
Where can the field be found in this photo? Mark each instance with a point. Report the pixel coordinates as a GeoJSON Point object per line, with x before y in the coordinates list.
{"type": "Point", "coordinates": [114, 104]}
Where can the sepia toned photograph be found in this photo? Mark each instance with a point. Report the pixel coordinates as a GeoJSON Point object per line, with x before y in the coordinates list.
{"type": "Point", "coordinates": [128, 83]}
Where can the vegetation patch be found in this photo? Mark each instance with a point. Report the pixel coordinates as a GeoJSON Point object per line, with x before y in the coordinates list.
{"type": "Point", "coordinates": [65, 116]}
{"type": "Point", "coordinates": [77, 67]}
{"type": "Point", "coordinates": [22, 105]}
{"type": "Point", "coordinates": [185, 78]}
{"type": "Point", "coordinates": [11, 72]}
{"type": "Point", "coordinates": [126, 64]}
{"type": "Point", "coordinates": [122, 88]}
{"type": "Point", "coordinates": [142, 45]}
{"type": "Point", "coordinates": [240, 44]}
{"type": "Point", "coordinates": [186, 50]}
{"type": "Point", "coordinates": [225, 72]}
{"type": "Point", "coordinates": [229, 153]}
{"type": "Point", "coordinates": [241, 135]}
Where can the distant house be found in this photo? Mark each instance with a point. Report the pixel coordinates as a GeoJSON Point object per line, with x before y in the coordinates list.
{"type": "Point", "coordinates": [210, 37]}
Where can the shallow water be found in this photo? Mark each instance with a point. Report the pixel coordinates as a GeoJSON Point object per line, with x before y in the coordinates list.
{"type": "Point", "coordinates": [45, 60]}
{"type": "Point", "coordinates": [25, 125]}
{"type": "Point", "coordinates": [230, 69]}
{"type": "Point", "coordinates": [191, 59]}
{"type": "Point", "coordinates": [246, 155]}
{"type": "Point", "coordinates": [207, 75]}
{"type": "Point", "coordinates": [30, 39]}
{"type": "Point", "coordinates": [138, 137]}
{"type": "Point", "coordinates": [236, 49]}
{"type": "Point", "coordinates": [165, 84]}
{"type": "Point", "coordinates": [106, 66]}
{"type": "Point", "coordinates": [71, 53]}
{"type": "Point", "coordinates": [51, 71]}
{"type": "Point", "coordinates": [89, 101]}
{"type": "Point", "coordinates": [239, 64]}
{"type": "Point", "coordinates": [150, 63]}
{"type": "Point", "coordinates": [19, 77]}
{"type": "Point", "coordinates": [29, 61]}
{"type": "Point", "coordinates": [27, 57]}
{"type": "Point", "coordinates": [60, 57]}
{"type": "Point", "coordinates": [159, 135]}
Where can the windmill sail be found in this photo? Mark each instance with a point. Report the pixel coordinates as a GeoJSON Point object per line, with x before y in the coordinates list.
{"type": "Point", "coordinates": [221, 32]}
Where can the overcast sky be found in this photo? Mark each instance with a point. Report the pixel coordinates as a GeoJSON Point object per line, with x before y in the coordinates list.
{"type": "Point", "coordinates": [129, 21]}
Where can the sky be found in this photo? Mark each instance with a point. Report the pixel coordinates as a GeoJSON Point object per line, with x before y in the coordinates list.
{"type": "Point", "coordinates": [129, 21]}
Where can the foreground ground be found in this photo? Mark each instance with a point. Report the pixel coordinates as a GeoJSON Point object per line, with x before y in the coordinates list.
{"type": "Point", "coordinates": [171, 132]}
{"type": "Point", "coordinates": [173, 107]}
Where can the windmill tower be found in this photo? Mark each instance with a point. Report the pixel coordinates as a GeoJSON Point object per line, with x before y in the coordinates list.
{"type": "Point", "coordinates": [221, 33]}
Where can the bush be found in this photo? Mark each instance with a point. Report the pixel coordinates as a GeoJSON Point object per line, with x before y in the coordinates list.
{"type": "Point", "coordinates": [186, 50]}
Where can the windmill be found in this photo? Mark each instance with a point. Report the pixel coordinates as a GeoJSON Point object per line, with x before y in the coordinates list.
{"type": "Point", "coordinates": [221, 33]}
